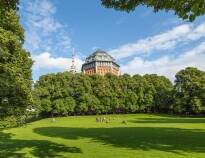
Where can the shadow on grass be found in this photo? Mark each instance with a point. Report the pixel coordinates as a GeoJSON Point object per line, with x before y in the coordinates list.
{"type": "Point", "coordinates": [11, 148]}
{"type": "Point", "coordinates": [168, 120]}
{"type": "Point", "coordinates": [144, 138]}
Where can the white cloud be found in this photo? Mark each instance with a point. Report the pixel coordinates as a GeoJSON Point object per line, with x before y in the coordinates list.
{"type": "Point", "coordinates": [43, 31]}
{"type": "Point", "coordinates": [163, 41]}
{"type": "Point", "coordinates": [46, 61]}
{"type": "Point", "coordinates": [167, 65]}
{"type": "Point", "coordinates": [46, 37]}
{"type": "Point", "coordinates": [41, 15]}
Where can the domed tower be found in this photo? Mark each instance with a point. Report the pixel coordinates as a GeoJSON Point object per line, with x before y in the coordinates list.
{"type": "Point", "coordinates": [100, 63]}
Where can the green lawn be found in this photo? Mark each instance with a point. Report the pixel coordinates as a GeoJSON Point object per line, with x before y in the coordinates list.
{"type": "Point", "coordinates": [143, 136]}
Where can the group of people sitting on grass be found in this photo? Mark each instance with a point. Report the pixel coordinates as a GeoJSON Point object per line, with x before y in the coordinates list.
{"type": "Point", "coordinates": [107, 120]}
{"type": "Point", "coordinates": [103, 119]}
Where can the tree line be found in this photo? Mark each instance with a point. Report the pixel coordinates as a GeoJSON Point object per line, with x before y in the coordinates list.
{"type": "Point", "coordinates": [65, 94]}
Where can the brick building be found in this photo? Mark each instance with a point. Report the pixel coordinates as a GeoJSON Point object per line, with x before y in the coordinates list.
{"type": "Point", "coordinates": [100, 63]}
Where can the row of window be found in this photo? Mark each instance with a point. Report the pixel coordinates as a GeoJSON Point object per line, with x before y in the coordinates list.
{"type": "Point", "coordinates": [104, 63]}
{"type": "Point", "coordinates": [90, 72]}
{"type": "Point", "coordinates": [91, 65]}
{"type": "Point", "coordinates": [115, 72]}
{"type": "Point", "coordinates": [102, 71]}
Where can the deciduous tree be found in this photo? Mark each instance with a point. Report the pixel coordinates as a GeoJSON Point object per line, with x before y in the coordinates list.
{"type": "Point", "coordinates": [185, 9]}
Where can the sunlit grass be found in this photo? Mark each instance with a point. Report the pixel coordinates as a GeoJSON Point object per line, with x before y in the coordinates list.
{"type": "Point", "coordinates": [141, 135]}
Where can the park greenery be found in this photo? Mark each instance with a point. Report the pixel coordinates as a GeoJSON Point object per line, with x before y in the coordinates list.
{"type": "Point", "coordinates": [64, 94]}
{"type": "Point", "coordinates": [185, 9]}
{"type": "Point", "coordinates": [161, 132]}
{"type": "Point", "coordinates": [143, 135]}
{"type": "Point", "coordinates": [15, 65]}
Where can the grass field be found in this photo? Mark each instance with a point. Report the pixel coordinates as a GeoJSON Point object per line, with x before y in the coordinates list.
{"type": "Point", "coordinates": [142, 136]}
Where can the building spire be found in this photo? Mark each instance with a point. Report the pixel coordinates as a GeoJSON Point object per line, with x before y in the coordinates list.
{"type": "Point", "coordinates": [73, 67]}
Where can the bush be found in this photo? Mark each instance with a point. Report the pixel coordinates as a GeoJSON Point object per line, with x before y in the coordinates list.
{"type": "Point", "coordinates": [7, 122]}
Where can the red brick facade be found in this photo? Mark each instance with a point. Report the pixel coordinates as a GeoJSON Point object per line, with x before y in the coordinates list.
{"type": "Point", "coordinates": [100, 63]}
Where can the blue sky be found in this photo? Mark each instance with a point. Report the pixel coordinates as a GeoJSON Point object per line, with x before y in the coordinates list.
{"type": "Point", "coordinates": [142, 41]}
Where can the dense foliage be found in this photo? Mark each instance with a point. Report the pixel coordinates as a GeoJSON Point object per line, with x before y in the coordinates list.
{"type": "Point", "coordinates": [8, 4]}
{"type": "Point", "coordinates": [69, 94]}
{"type": "Point", "coordinates": [190, 91]}
{"type": "Point", "coordinates": [15, 64]}
{"type": "Point", "coordinates": [65, 93]}
{"type": "Point", "coordinates": [185, 9]}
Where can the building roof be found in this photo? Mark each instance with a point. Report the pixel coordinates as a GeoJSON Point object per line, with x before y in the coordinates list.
{"type": "Point", "coordinates": [99, 55]}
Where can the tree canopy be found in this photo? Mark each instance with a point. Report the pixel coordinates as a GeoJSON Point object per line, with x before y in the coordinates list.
{"type": "Point", "coordinates": [9, 4]}
{"type": "Point", "coordinates": [190, 91]}
{"type": "Point", "coordinates": [15, 63]}
{"type": "Point", "coordinates": [185, 9]}
{"type": "Point", "coordinates": [65, 93]}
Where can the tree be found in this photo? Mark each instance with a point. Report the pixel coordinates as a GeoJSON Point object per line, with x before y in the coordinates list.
{"type": "Point", "coordinates": [185, 9]}
{"type": "Point", "coordinates": [68, 94]}
{"type": "Point", "coordinates": [89, 104]}
{"type": "Point", "coordinates": [116, 93]}
{"type": "Point", "coordinates": [15, 63]}
{"type": "Point", "coordinates": [69, 104]}
{"type": "Point", "coordinates": [42, 95]}
{"type": "Point", "coordinates": [144, 90]}
{"type": "Point", "coordinates": [189, 91]}
{"type": "Point", "coordinates": [162, 92]}
{"type": "Point", "coordinates": [102, 90]}
{"type": "Point", "coordinates": [9, 4]}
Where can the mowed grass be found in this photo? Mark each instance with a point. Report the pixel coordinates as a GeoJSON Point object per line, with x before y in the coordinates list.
{"type": "Point", "coordinates": [142, 136]}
